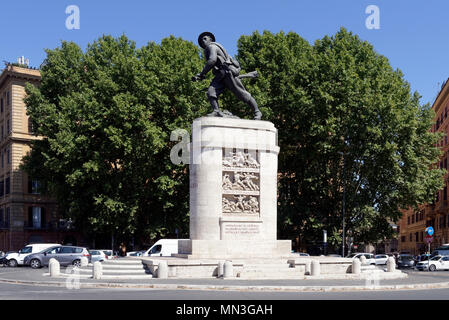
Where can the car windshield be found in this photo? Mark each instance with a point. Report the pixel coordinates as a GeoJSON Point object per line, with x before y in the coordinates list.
{"type": "Point", "coordinates": [435, 258]}
{"type": "Point", "coordinates": [406, 257]}
{"type": "Point", "coordinates": [352, 255]}
{"type": "Point", "coordinates": [26, 250]}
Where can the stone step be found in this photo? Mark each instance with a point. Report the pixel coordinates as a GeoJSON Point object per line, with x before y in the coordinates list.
{"type": "Point", "coordinates": [271, 271]}
{"type": "Point", "coordinates": [116, 271]}
{"type": "Point", "coordinates": [122, 261]}
{"type": "Point", "coordinates": [266, 274]}
{"type": "Point", "coordinates": [122, 266]}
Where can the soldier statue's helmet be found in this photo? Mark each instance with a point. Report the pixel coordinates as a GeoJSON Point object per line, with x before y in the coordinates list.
{"type": "Point", "coordinates": [200, 37]}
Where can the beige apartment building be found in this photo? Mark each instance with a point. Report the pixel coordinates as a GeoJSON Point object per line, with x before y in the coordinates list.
{"type": "Point", "coordinates": [412, 237]}
{"type": "Point", "coordinates": [26, 216]}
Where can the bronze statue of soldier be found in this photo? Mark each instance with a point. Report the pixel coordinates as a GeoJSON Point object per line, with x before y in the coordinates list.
{"type": "Point", "coordinates": [227, 75]}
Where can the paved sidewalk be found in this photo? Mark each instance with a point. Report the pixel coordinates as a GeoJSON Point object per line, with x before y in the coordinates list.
{"type": "Point", "coordinates": [416, 280]}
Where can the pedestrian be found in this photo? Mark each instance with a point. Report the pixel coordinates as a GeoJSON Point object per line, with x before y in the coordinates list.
{"type": "Point", "coordinates": [122, 250]}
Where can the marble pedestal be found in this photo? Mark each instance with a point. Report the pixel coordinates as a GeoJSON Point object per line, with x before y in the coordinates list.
{"type": "Point", "coordinates": [233, 190]}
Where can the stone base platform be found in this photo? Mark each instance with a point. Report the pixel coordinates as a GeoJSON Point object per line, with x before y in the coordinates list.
{"type": "Point", "coordinates": [234, 249]}
{"type": "Point", "coordinates": [268, 268]}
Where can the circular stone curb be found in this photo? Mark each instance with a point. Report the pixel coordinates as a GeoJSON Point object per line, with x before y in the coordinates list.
{"type": "Point", "coordinates": [423, 286]}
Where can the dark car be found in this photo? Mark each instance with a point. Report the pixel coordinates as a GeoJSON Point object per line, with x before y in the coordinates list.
{"type": "Point", "coordinates": [66, 255]}
{"type": "Point", "coordinates": [406, 261]}
{"type": "Point", "coordinates": [3, 260]}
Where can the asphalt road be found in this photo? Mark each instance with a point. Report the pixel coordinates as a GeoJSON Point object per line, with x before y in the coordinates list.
{"type": "Point", "coordinates": [9, 291]}
{"type": "Point", "coordinates": [28, 292]}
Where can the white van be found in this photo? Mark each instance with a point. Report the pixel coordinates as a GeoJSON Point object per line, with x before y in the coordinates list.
{"type": "Point", "coordinates": [163, 248]}
{"type": "Point", "coordinates": [16, 258]}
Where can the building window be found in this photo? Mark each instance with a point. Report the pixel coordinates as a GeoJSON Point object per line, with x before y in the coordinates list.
{"type": "Point", "coordinates": [1, 105]}
{"type": "Point", "coordinates": [8, 98]}
{"type": "Point", "coordinates": [8, 127]}
{"type": "Point", "coordinates": [7, 185]}
{"type": "Point", "coordinates": [34, 186]}
{"type": "Point", "coordinates": [2, 188]}
{"type": "Point", "coordinates": [445, 193]}
{"type": "Point", "coordinates": [410, 237]}
{"type": "Point", "coordinates": [403, 239]}
{"type": "Point", "coordinates": [413, 218]}
{"type": "Point", "coordinates": [36, 217]}
{"type": "Point", "coordinates": [8, 217]}
{"type": "Point", "coordinates": [8, 156]}
{"type": "Point", "coordinates": [408, 220]}
{"type": "Point", "coordinates": [416, 236]}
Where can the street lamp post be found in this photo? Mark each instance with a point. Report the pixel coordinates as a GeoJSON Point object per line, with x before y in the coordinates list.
{"type": "Point", "coordinates": [343, 206]}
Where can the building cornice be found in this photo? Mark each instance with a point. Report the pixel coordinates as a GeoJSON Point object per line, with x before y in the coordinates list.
{"type": "Point", "coordinates": [14, 72]}
{"type": "Point", "coordinates": [442, 96]}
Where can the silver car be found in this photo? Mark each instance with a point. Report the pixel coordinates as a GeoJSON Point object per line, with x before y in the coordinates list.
{"type": "Point", "coordinates": [66, 255]}
{"type": "Point", "coordinates": [97, 255]}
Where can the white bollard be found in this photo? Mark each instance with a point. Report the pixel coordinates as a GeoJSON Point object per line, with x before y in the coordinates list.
{"type": "Point", "coordinates": [316, 270]}
{"type": "Point", "coordinates": [363, 260]}
{"type": "Point", "coordinates": [220, 269]}
{"type": "Point", "coordinates": [308, 268]}
{"type": "Point", "coordinates": [162, 270]}
{"type": "Point", "coordinates": [228, 270]}
{"type": "Point", "coordinates": [391, 264]}
{"type": "Point", "coordinates": [54, 267]}
{"type": "Point", "coordinates": [97, 270]}
{"type": "Point", "coordinates": [356, 266]}
{"type": "Point", "coordinates": [84, 262]}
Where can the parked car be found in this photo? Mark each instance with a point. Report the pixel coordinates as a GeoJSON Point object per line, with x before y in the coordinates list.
{"type": "Point", "coordinates": [369, 257]}
{"type": "Point", "coordinates": [97, 255]}
{"type": "Point", "coordinates": [135, 253]}
{"type": "Point", "coordinates": [66, 255]}
{"type": "Point", "coordinates": [422, 257]}
{"type": "Point", "coordinates": [381, 258]}
{"type": "Point", "coordinates": [435, 263]}
{"type": "Point", "coordinates": [441, 251]}
{"type": "Point", "coordinates": [3, 260]}
{"type": "Point", "coordinates": [17, 258]}
{"type": "Point", "coordinates": [108, 253]}
{"type": "Point", "coordinates": [405, 261]}
{"type": "Point", "coordinates": [163, 248]}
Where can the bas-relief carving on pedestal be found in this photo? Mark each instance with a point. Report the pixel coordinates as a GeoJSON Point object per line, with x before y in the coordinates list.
{"type": "Point", "coordinates": [241, 184]}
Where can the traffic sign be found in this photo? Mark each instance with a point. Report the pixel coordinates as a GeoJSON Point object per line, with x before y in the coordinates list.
{"type": "Point", "coordinates": [429, 239]}
{"type": "Point", "coordinates": [429, 231]}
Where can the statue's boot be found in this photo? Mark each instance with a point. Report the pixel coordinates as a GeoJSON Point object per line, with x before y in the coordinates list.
{"type": "Point", "coordinates": [216, 109]}
{"type": "Point", "coordinates": [253, 104]}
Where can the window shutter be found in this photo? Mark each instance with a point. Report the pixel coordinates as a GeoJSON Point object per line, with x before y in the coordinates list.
{"type": "Point", "coordinates": [30, 216]}
{"type": "Point", "coordinates": [43, 217]}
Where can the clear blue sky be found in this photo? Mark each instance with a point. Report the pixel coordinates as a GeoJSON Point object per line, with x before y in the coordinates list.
{"type": "Point", "coordinates": [413, 35]}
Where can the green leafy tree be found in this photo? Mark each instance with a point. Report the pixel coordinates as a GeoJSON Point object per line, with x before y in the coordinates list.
{"type": "Point", "coordinates": [106, 115]}
{"type": "Point", "coordinates": [348, 124]}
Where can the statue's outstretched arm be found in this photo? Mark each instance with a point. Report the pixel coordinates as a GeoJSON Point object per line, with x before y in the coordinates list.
{"type": "Point", "coordinates": [211, 61]}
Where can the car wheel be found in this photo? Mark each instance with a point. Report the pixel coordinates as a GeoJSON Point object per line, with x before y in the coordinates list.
{"type": "Point", "coordinates": [77, 263]}
{"type": "Point", "coordinates": [35, 264]}
{"type": "Point", "coordinates": [12, 263]}
{"type": "Point", "coordinates": [432, 267]}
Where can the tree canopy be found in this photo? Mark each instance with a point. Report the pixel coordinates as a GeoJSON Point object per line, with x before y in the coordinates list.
{"type": "Point", "coordinates": [347, 122]}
